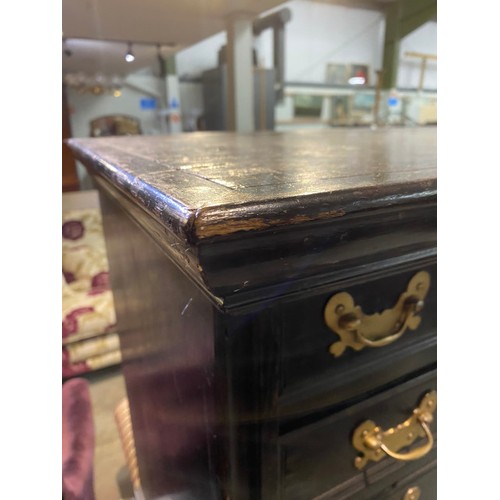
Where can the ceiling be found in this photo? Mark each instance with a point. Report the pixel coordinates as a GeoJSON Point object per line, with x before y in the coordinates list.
{"type": "Point", "coordinates": [95, 32]}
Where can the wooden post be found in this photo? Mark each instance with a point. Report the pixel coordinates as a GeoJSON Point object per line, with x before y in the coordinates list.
{"type": "Point", "coordinates": [376, 107]}
{"type": "Point", "coordinates": [423, 65]}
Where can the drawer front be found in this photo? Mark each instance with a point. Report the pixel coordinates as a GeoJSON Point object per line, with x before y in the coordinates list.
{"type": "Point", "coordinates": [313, 377]}
{"type": "Point", "coordinates": [320, 460]}
{"type": "Point", "coordinates": [419, 486]}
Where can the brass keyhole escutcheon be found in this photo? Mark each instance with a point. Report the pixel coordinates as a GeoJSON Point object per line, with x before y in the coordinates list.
{"type": "Point", "coordinates": [412, 493]}
{"type": "Point", "coordinates": [357, 330]}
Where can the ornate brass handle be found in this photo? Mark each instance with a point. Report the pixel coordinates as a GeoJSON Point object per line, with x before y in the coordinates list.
{"type": "Point", "coordinates": [357, 330]}
{"type": "Point", "coordinates": [373, 442]}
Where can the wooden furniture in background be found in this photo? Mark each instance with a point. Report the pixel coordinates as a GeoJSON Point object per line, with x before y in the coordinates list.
{"type": "Point", "coordinates": [70, 180]}
{"type": "Point", "coordinates": [115, 125]}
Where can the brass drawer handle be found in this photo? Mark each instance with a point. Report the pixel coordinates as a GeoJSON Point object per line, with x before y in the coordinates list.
{"type": "Point", "coordinates": [375, 443]}
{"type": "Point", "coordinates": [357, 330]}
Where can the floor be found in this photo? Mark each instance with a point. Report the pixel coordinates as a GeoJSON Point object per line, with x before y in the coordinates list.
{"type": "Point", "coordinates": [107, 389]}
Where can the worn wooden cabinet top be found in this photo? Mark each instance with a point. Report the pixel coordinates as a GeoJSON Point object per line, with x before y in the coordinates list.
{"type": "Point", "coordinates": [221, 187]}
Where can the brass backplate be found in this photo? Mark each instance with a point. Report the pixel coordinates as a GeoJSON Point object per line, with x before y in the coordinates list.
{"type": "Point", "coordinates": [368, 438]}
{"type": "Point", "coordinates": [357, 330]}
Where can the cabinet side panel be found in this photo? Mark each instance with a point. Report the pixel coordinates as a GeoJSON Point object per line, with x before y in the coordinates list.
{"type": "Point", "coordinates": [250, 351]}
{"type": "Point", "coordinates": [166, 329]}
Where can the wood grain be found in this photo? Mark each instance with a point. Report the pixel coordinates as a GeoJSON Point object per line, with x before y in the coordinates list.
{"type": "Point", "coordinates": [211, 184]}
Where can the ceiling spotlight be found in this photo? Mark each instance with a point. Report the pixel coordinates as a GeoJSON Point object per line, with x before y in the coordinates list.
{"type": "Point", "coordinates": [67, 51]}
{"type": "Point", "coordinates": [129, 57]}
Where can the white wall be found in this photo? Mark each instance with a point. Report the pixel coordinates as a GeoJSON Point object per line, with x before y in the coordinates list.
{"type": "Point", "coordinates": [424, 40]}
{"type": "Point", "coordinates": [194, 60]}
{"type": "Point", "coordinates": [86, 107]}
{"type": "Point", "coordinates": [191, 63]}
{"type": "Point", "coordinates": [318, 34]}
{"type": "Point", "coordinates": [191, 96]}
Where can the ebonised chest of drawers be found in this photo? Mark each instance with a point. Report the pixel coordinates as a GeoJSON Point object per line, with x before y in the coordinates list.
{"type": "Point", "coordinates": [276, 297]}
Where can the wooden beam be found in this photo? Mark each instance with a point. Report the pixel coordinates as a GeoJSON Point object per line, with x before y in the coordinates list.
{"type": "Point", "coordinates": [411, 21]}
{"type": "Point", "coordinates": [402, 17]}
{"type": "Point", "coordinates": [420, 54]}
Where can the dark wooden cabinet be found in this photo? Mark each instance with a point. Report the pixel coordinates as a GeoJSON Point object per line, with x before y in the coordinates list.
{"type": "Point", "coordinates": [70, 180]}
{"type": "Point", "coordinates": [275, 292]}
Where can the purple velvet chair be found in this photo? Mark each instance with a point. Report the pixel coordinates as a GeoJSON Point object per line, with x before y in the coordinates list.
{"type": "Point", "coordinates": [78, 441]}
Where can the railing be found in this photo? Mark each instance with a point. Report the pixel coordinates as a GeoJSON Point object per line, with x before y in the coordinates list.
{"type": "Point", "coordinates": [319, 105]}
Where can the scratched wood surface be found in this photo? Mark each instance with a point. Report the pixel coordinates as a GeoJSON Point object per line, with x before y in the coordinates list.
{"type": "Point", "coordinates": [212, 184]}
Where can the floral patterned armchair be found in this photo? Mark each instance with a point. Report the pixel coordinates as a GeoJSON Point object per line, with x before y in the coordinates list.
{"type": "Point", "coordinates": [89, 338]}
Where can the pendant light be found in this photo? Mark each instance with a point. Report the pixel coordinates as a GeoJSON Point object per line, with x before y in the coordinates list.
{"type": "Point", "coordinates": [129, 56]}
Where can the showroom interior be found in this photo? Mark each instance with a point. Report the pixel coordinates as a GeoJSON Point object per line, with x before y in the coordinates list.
{"type": "Point", "coordinates": [191, 74]}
